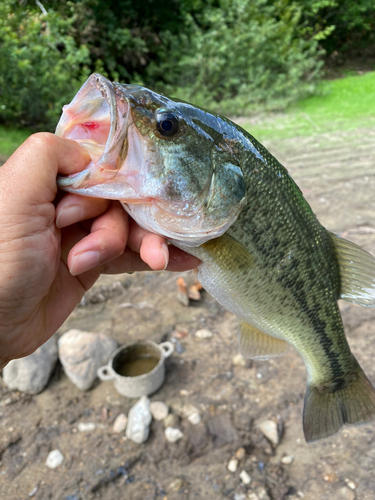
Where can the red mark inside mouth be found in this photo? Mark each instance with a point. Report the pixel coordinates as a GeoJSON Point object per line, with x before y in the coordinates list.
{"type": "Point", "coordinates": [90, 125]}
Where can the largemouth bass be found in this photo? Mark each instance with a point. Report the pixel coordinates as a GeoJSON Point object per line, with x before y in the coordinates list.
{"type": "Point", "coordinates": [210, 188]}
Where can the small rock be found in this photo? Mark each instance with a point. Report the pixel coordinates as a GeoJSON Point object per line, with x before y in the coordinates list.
{"type": "Point", "coordinates": [184, 392]}
{"type": "Point", "coordinates": [176, 485]}
{"type": "Point", "coordinates": [179, 347]}
{"type": "Point", "coordinates": [203, 334]}
{"type": "Point", "coordinates": [345, 493]}
{"type": "Point", "coordinates": [239, 360]}
{"type": "Point", "coordinates": [34, 491]}
{"type": "Point", "coordinates": [287, 459]}
{"type": "Point", "coordinates": [171, 420]}
{"type": "Point", "coordinates": [252, 496]}
{"type": "Point", "coordinates": [239, 496]}
{"type": "Point", "coordinates": [86, 426]}
{"type": "Point", "coordinates": [245, 478]}
{"type": "Point", "coordinates": [172, 435]}
{"type": "Point", "coordinates": [159, 410]}
{"type": "Point", "coordinates": [351, 484]}
{"type": "Point", "coordinates": [31, 374]}
{"type": "Point", "coordinates": [54, 459]}
{"type": "Point", "coordinates": [232, 465]}
{"type": "Point", "coordinates": [82, 353]}
{"type": "Point", "coordinates": [182, 292]}
{"type": "Point", "coordinates": [262, 494]}
{"type": "Point", "coordinates": [240, 454]}
{"type": "Point", "coordinates": [269, 430]}
{"type": "Point", "coordinates": [139, 420]}
{"type": "Point", "coordinates": [194, 418]}
{"type": "Point", "coordinates": [330, 477]}
{"type": "Point", "coordinates": [194, 291]}
{"type": "Point", "coordinates": [119, 425]}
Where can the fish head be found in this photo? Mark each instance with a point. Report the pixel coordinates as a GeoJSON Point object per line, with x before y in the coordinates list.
{"type": "Point", "coordinates": [175, 167]}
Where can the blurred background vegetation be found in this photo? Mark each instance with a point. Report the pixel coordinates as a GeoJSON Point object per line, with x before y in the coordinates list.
{"type": "Point", "coordinates": [232, 56]}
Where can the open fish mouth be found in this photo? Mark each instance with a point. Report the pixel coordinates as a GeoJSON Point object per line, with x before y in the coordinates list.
{"type": "Point", "coordinates": [97, 118]}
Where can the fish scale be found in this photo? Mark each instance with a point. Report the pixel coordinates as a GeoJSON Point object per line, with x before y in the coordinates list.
{"type": "Point", "coordinates": [211, 189]}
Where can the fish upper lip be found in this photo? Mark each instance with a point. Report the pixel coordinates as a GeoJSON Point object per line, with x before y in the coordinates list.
{"type": "Point", "coordinates": [119, 118]}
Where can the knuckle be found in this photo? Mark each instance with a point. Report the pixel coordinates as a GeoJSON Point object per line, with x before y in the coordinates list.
{"type": "Point", "coordinates": [41, 140]}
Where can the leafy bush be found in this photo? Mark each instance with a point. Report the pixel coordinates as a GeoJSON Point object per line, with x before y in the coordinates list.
{"type": "Point", "coordinates": [239, 55]}
{"type": "Point", "coordinates": [41, 65]}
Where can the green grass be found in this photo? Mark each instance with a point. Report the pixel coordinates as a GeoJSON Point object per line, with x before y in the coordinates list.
{"type": "Point", "coordinates": [344, 104]}
{"type": "Point", "coordinates": [10, 139]}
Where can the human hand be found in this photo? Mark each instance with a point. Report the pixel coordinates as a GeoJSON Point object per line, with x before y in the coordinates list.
{"type": "Point", "coordinates": [50, 256]}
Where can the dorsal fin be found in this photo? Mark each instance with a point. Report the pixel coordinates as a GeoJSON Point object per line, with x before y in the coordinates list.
{"type": "Point", "coordinates": [258, 345]}
{"type": "Point", "coordinates": [357, 272]}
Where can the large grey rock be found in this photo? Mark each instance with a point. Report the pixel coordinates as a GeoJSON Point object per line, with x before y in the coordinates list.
{"type": "Point", "coordinates": [82, 353]}
{"type": "Point", "coordinates": [31, 374]}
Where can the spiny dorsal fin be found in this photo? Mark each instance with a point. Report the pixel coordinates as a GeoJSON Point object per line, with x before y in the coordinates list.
{"type": "Point", "coordinates": [255, 344]}
{"type": "Point", "coordinates": [357, 272]}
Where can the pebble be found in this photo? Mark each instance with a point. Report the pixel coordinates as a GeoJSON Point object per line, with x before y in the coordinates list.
{"type": "Point", "coordinates": [269, 430]}
{"type": "Point", "coordinates": [245, 478]}
{"type": "Point", "coordinates": [203, 334]}
{"type": "Point", "coordinates": [239, 360]}
{"type": "Point", "coordinates": [194, 418]}
{"type": "Point", "coordinates": [176, 485]}
{"type": "Point", "coordinates": [262, 494]}
{"type": "Point", "coordinates": [239, 496]}
{"type": "Point", "coordinates": [31, 374]}
{"type": "Point", "coordinates": [171, 420]}
{"type": "Point", "coordinates": [240, 453]}
{"type": "Point", "coordinates": [345, 493]}
{"type": "Point", "coordinates": [172, 435]}
{"type": "Point", "coordinates": [86, 426]}
{"type": "Point", "coordinates": [232, 465]}
{"type": "Point", "coordinates": [287, 459]}
{"type": "Point", "coordinates": [54, 459]}
{"type": "Point", "coordinates": [82, 353]}
{"type": "Point", "coordinates": [330, 477]}
{"type": "Point", "coordinates": [159, 410]}
{"type": "Point", "coordinates": [139, 420]}
{"type": "Point", "coordinates": [119, 425]}
{"type": "Point", "coordinates": [252, 496]}
{"type": "Point", "coordinates": [351, 484]}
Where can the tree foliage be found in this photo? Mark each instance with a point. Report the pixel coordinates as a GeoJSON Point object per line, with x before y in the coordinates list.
{"type": "Point", "coordinates": [230, 55]}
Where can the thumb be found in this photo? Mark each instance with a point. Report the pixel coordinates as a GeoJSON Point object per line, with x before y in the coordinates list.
{"type": "Point", "coordinates": [30, 173]}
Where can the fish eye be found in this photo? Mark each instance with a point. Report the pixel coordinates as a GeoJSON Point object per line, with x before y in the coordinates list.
{"type": "Point", "coordinates": [167, 123]}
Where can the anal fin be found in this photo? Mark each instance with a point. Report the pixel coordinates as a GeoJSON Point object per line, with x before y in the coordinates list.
{"type": "Point", "coordinates": [253, 343]}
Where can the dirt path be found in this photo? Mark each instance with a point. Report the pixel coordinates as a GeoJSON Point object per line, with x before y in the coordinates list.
{"type": "Point", "coordinates": [337, 175]}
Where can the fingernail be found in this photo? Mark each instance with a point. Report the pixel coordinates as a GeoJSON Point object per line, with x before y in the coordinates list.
{"type": "Point", "coordinates": [84, 262]}
{"type": "Point", "coordinates": [164, 249]}
{"type": "Point", "coordinates": [69, 215]}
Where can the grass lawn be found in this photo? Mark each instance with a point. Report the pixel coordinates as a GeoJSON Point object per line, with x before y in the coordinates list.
{"type": "Point", "coordinates": [10, 139]}
{"type": "Point", "coordinates": [343, 104]}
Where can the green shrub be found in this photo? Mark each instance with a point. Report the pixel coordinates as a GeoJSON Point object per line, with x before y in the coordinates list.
{"type": "Point", "coordinates": [238, 55]}
{"type": "Point", "coordinates": [41, 65]}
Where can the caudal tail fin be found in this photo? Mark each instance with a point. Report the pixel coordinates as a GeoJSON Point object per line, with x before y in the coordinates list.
{"type": "Point", "coordinates": [327, 408]}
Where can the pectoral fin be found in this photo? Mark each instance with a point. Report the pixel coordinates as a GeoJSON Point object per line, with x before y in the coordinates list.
{"type": "Point", "coordinates": [255, 344]}
{"type": "Point", "coordinates": [357, 272]}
